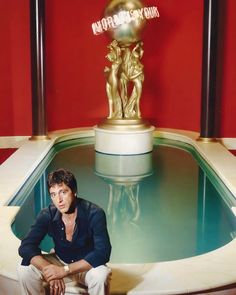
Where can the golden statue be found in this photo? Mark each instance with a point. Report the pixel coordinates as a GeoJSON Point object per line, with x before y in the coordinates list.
{"type": "Point", "coordinates": [124, 78]}
{"type": "Point", "coordinates": [114, 100]}
{"type": "Point", "coordinates": [126, 68]}
{"type": "Point", "coordinates": [132, 72]}
{"type": "Point", "coordinates": [124, 131]}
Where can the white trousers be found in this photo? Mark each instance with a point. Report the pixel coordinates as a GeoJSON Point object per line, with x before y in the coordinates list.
{"type": "Point", "coordinates": [96, 279]}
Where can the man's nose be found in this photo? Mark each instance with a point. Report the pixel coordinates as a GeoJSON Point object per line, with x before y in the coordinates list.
{"type": "Point", "coordinates": [59, 198]}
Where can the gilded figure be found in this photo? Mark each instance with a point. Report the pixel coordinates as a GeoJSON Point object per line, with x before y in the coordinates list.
{"type": "Point", "coordinates": [114, 100]}
{"type": "Point", "coordinates": [124, 81]}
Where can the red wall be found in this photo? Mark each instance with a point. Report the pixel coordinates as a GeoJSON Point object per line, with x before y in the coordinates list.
{"type": "Point", "coordinates": [228, 71]}
{"type": "Point", "coordinates": [6, 153]}
{"type": "Point", "coordinates": [75, 59]}
{"type": "Point", "coordinates": [173, 65]}
{"type": "Point", "coordinates": [15, 99]}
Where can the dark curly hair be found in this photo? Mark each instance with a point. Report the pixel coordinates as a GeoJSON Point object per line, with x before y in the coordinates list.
{"type": "Point", "coordinates": [62, 175]}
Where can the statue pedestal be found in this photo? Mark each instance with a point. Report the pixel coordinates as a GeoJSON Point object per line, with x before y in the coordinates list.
{"type": "Point", "coordinates": [124, 137]}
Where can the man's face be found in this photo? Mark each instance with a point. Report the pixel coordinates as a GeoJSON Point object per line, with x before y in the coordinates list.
{"type": "Point", "coordinates": [62, 196]}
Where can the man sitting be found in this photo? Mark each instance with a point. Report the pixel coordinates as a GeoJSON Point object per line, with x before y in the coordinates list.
{"type": "Point", "coordinates": [82, 245]}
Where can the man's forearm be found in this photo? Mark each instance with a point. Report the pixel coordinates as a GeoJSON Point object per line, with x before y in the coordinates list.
{"type": "Point", "coordinates": [79, 266]}
{"type": "Point", "coordinates": [39, 262]}
{"type": "Point", "coordinates": [51, 271]}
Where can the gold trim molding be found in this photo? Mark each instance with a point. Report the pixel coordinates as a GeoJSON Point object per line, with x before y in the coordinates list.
{"type": "Point", "coordinates": [39, 137]}
{"type": "Point", "coordinates": [124, 124]}
{"type": "Point", "coordinates": [207, 139]}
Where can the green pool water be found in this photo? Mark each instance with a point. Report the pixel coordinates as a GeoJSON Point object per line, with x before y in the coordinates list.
{"type": "Point", "coordinates": [160, 206]}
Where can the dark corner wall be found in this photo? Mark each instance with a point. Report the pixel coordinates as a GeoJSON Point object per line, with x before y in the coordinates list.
{"type": "Point", "coordinates": [75, 59]}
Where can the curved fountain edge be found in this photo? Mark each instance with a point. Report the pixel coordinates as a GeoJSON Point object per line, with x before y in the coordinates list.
{"type": "Point", "coordinates": [203, 272]}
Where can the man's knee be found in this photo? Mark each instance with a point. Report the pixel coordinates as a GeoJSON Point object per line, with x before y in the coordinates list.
{"type": "Point", "coordinates": [28, 272]}
{"type": "Point", "coordinates": [98, 275]}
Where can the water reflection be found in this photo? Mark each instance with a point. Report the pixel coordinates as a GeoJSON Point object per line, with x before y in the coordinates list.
{"type": "Point", "coordinates": [123, 175]}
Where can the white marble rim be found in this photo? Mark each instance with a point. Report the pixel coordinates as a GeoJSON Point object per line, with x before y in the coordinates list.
{"type": "Point", "coordinates": [203, 272]}
{"type": "Point", "coordinates": [229, 143]}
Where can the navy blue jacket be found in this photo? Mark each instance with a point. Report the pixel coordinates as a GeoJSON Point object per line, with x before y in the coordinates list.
{"type": "Point", "coordinates": [90, 240]}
